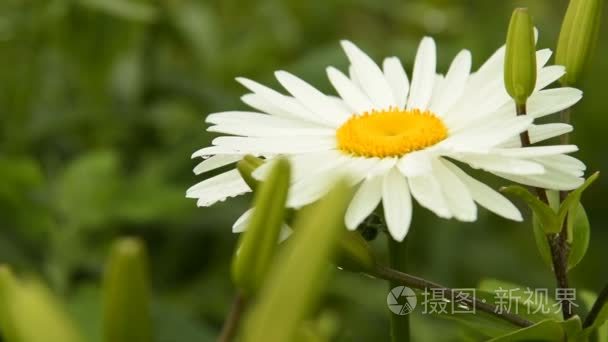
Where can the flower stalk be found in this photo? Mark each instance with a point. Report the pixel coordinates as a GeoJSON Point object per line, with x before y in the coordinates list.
{"type": "Point", "coordinates": [600, 302]}
{"type": "Point", "coordinates": [400, 324]}
{"type": "Point", "coordinates": [520, 80]}
{"type": "Point", "coordinates": [400, 278]}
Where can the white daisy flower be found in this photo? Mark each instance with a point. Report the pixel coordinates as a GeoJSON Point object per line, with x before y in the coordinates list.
{"type": "Point", "coordinates": [397, 139]}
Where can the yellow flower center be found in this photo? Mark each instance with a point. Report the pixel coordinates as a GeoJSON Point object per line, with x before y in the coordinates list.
{"type": "Point", "coordinates": [390, 133]}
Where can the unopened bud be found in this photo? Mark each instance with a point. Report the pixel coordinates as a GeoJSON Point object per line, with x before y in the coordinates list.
{"type": "Point", "coordinates": [578, 38]}
{"type": "Point", "coordinates": [126, 312]}
{"type": "Point", "coordinates": [520, 58]}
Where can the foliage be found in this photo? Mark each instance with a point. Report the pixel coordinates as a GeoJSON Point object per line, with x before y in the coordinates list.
{"type": "Point", "coordinates": [102, 103]}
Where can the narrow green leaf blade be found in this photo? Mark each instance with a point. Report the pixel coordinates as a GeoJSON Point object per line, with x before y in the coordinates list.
{"type": "Point", "coordinates": [296, 281]}
{"type": "Point", "coordinates": [546, 216]}
{"type": "Point", "coordinates": [574, 198]}
{"type": "Point", "coordinates": [578, 235]}
{"type": "Point", "coordinates": [258, 244]}
{"type": "Point", "coordinates": [547, 330]}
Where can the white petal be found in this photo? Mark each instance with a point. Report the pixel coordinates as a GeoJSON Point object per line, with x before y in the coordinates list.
{"type": "Point", "coordinates": [488, 133]}
{"type": "Point", "coordinates": [366, 199]}
{"type": "Point", "coordinates": [423, 75]}
{"type": "Point", "coordinates": [215, 162]}
{"type": "Point", "coordinates": [492, 68]}
{"type": "Point", "coordinates": [266, 130]}
{"type": "Point", "coordinates": [415, 164]}
{"type": "Point", "coordinates": [302, 165]}
{"type": "Point", "coordinates": [542, 57]}
{"type": "Point", "coordinates": [453, 86]}
{"type": "Point", "coordinates": [535, 151]}
{"type": "Point", "coordinates": [242, 117]}
{"type": "Point", "coordinates": [383, 166]}
{"type": "Point", "coordinates": [349, 91]}
{"type": "Point", "coordinates": [285, 103]}
{"type": "Point", "coordinates": [275, 145]}
{"type": "Point", "coordinates": [427, 191]}
{"type": "Point", "coordinates": [359, 168]}
{"type": "Point", "coordinates": [257, 124]}
{"type": "Point", "coordinates": [551, 101]}
{"type": "Point", "coordinates": [551, 179]}
{"type": "Point", "coordinates": [370, 76]}
{"type": "Point", "coordinates": [498, 163]}
{"type": "Point", "coordinates": [258, 102]}
{"type": "Point", "coordinates": [564, 163]}
{"type": "Point", "coordinates": [397, 78]}
{"type": "Point", "coordinates": [313, 187]}
{"type": "Point", "coordinates": [486, 196]}
{"type": "Point", "coordinates": [243, 221]}
{"type": "Point", "coordinates": [540, 133]}
{"type": "Point", "coordinates": [312, 98]}
{"type": "Point", "coordinates": [457, 195]}
{"type": "Point", "coordinates": [218, 188]}
{"type": "Point", "coordinates": [209, 151]}
{"type": "Point", "coordinates": [240, 225]}
{"type": "Point", "coordinates": [548, 75]}
{"type": "Point", "coordinates": [397, 204]}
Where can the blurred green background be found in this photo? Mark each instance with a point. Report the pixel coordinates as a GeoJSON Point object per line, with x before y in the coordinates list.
{"type": "Point", "coordinates": [103, 101]}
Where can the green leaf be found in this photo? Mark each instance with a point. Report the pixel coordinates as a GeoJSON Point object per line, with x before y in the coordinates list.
{"type": "Point", "coordinates": [546, 216]}
{"type": "Point", "coordinates": [522, 296]}
{"type": "Point", "coordinates": [258, 244]}
{"type": "Point", "coordinates": [578, 235]}
{"type": "Point", "coordinates": [126, 9]}
{"type": "Point", "coordinates": [126, 301]}
{"type": "Point", "coordinates": [600, 324]}
{"type": "Point", "coordinates": [574, 198]}
{"type": "Point", "coordinates": [547, 330]}
{"type": "Point", "coordinates": [355, 254]}
{"type": "Point", "coordinates": [518, 302]}
{"type": "Point", "coordinates": [296, 281]}
{"type": "Point", "coordinates": [542, 244]}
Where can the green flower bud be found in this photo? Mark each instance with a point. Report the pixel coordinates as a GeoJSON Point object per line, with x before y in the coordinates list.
{"type": "Point", "coordinates": [246, 166]}
{"type": "Point", "coordinates": [258, 244]}
{"type": "Point", "coordinates": [126, 300]}
{"type": "Point", "coordinates": [301, 270]}
{"type": "Point", "coordinates": [354, 253]}
{"type": "Point", "coordinates": [8, 286]}
{"type": "Point", "coordinates": [578, 38]}
{"type": "Point", "coordinates": [520, 57]}
{"type": "Point", "coordinates": [29, 312]}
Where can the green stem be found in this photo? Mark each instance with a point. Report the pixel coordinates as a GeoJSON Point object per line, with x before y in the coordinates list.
{"type": "Point", "coordinates": [557, 242]}
{"type": "Point", "coordinates": [405, 279]}
{"type": "Point", "coordinates": [601, 300]}
{"type": "Point", "coordinates": [231, 323]}
{"type": "Point", "coordinates": [400, 324]}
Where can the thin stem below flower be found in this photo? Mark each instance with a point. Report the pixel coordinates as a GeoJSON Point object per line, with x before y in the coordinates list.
{"type": "Point", "coordinates": [412, 281]}
{"type": "Point", "coordinates": [600, 302]}
{"type": "Point", "coordinates": [557, 242]}
{"type": "Point", "coordinates": [231, 323]}
{"type": "Point", "coordinates": [400, 324]}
